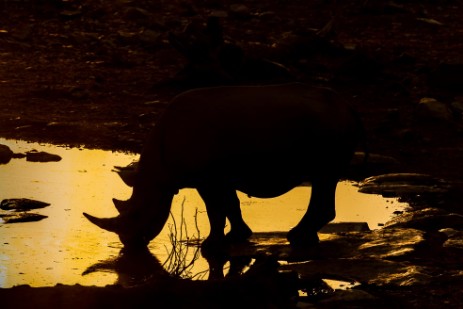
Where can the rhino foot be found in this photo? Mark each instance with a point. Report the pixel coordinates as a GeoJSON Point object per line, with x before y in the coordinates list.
{"type": "Point", "coordinates": [302, 239]}
{"type": "Point", "coordinates": [212, 247]}
{"type": "Point", "coordinates": [239, 235]}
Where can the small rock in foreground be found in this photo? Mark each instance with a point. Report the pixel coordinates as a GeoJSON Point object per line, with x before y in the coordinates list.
{"type": "Point", "coordinates": [5, 154]}
{"type": "Point", "coordinates": [41, 156]}
{"type": "Point", "coordinates": [21, 204]}
{"type": "Point", "coordinates": [22, 217]}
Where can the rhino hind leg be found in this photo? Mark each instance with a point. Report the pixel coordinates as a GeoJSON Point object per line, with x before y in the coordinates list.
{"type": "Point", "coordinates": [239, 231]}
{"type": "Point", "coordinates": [321, 211]}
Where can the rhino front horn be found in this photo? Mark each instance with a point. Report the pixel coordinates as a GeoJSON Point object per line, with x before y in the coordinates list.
{"type": "Point", "coordinates": [109, 224]}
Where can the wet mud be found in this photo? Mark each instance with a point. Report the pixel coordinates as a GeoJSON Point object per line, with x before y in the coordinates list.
{"type": "Point", "coordinates": [411, 246]}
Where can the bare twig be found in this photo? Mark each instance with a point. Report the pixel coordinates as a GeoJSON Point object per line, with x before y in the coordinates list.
{"type": "Point", "coordinates": [178, 263]}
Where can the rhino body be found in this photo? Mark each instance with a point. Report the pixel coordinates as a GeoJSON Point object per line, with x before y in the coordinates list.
{"type": "Point", "coordinates": [261, 140]}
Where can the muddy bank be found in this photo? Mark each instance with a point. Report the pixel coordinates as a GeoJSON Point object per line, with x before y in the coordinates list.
{"type": "Point", "coordinates": [413, 262]}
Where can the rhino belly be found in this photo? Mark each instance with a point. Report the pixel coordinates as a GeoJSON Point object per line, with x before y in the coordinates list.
{"type": "Point", "coordinates": [267, 188]}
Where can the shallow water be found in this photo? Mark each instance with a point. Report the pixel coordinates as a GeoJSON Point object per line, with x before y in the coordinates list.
{"type": "Point", "coordinates": [60, 248]}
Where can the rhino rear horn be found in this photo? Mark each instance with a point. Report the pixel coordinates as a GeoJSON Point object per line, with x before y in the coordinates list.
{"type": "Point", "coordinates": [121, 206]}
{"type": "Point", "coordinates": [109, 224]}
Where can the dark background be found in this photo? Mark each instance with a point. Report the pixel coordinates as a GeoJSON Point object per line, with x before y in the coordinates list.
{"type": "Point", "coordinates": [97, 72]}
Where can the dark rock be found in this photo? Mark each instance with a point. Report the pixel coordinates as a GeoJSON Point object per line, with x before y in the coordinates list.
{"type": "Point", "coordinates": [364, 270]}
{"type": "Point", "coordinates": [430, 21]}
{"type": "Point", "coordinates": [398, 184]}
{"type": "Point", "coordinates": [5, 154]}
{"type": "Point", "coordinates": [452, 233]}
{"type": "Point", "coordinates": [240, 11]}
{"type": "Point", "coordinates": [41, 156]}
{"type": "Point", "coordinates": [348, 298]}
{"type": "Point", "coordinates": [137, 14]}
{"type": "Point", "coordinates": [150, 37]}
{"type": "Point", "coordinates": [56, 125]}
{"type": "Point", "coordinates": [70, 14]}
{"type": "Point", "coordinates": [24, 127]}
{"type": "Point", "coordinates": [342, 227]}
{"type": "Point", "coordinates": [20, 204]}
{"type": "Point", "coordinates": [429, 219]}
{"type": "Point", "coordinates": [432, 109]}
{"type": "Point", "coordinates": [393, 244]}
{"type": "Point", "coordinates": [19, 155]}
{"type": "Point", "coordinates": [454, 240]}
{"type": "Point", "coordinates": [21, 217]}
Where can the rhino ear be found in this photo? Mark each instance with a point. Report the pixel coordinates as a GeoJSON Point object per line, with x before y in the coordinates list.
{"type": "Point", "coordinates": [121, 206]}
{"type": "Point", "coordinates": [109, 224]}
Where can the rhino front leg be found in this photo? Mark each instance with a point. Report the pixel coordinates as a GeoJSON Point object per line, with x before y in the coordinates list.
{"type": "Point", "coordinates": [220, 204]}
{"type": "Point", "coordinates": [239, 231]}
{"type": "Point", "coordinates": [321, 210]}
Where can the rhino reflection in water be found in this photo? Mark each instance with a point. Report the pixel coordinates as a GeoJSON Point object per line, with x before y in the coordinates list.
{"type": "Point", "coordinates": [261, 140]}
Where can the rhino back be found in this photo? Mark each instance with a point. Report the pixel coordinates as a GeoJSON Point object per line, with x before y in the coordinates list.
{"type": "Point", "coordinates": [238, 129]}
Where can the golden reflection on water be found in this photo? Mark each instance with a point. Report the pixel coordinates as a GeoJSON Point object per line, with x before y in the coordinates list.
{"type": "Point", "coordinates": [61, 247]}
{"type": "Point", "coordinates": [58, 248]}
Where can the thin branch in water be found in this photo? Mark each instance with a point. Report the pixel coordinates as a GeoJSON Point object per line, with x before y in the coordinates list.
{"type": "Point", "coordinates": [178, 263]}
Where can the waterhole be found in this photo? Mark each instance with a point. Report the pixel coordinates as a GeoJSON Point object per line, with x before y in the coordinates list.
{"type": "Point", "coordinates": [65, 248]}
